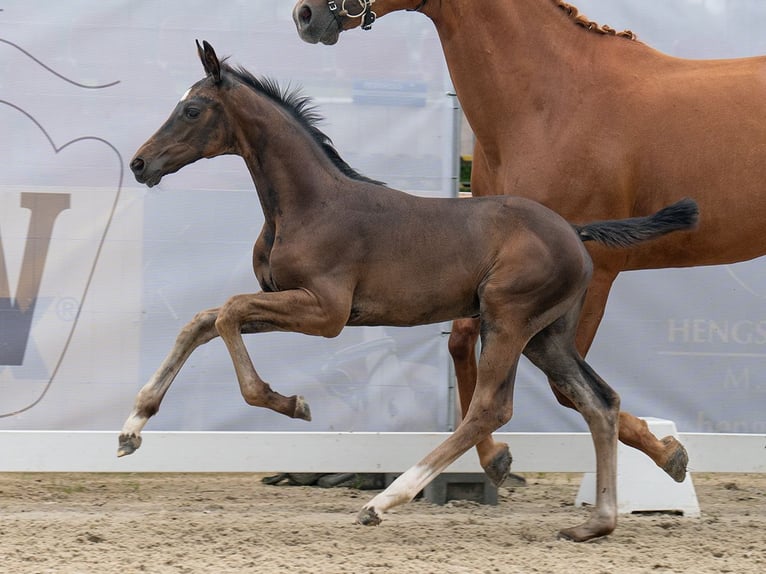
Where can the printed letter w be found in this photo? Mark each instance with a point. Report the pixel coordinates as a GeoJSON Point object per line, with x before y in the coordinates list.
{"type": "Point", "coordinates": [16, 314]}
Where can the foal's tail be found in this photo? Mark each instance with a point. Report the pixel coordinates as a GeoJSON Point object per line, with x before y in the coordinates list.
{"type": "Point", "coordinates": [681, 215]}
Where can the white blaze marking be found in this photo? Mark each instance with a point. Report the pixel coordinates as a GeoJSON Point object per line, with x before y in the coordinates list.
{"type": "Point", "coordinates": [186, 95]}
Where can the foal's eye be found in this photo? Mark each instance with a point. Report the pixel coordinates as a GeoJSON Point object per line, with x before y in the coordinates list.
{"type": "Point", "coordinates": [191, 112]}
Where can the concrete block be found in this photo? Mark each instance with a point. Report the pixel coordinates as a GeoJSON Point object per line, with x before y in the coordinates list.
{"type": "Point", "coordinates": [461, 486]}
{"type": "Point", "coordinates": [641, 485]}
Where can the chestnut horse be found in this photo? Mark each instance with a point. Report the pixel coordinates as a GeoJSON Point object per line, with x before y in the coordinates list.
{"type": "Point", "coordinates": [593, 124]}
{"type": "Point", "coordinates": [333, 240]}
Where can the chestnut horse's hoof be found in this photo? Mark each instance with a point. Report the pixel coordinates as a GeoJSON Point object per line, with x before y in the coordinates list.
{"type": "Point", "coordinates": [499, 468]}
{"type": "Point", "coordinates": [678, 460]}
{"type": "Point", "coordinates": [128, 444]}
{"type": "Point", "coordinates": [302, 410]}
{"type": "Point", "coordinates": [368, 517]}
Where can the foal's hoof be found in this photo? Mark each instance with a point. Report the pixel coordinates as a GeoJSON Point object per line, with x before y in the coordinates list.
{"type": "Point", "coordinates": [499, 467]}
{"type": "Point", "coordinates": [574, 535]}
{"type": "Point", "coordinates": [129, 443]}
{"type": "Point", "coordinates": [678, 460]}
{"type": "Point", "coordinates": [590, 530]}
{"type": "Point", "coordinates": [302, 410]}
{"type": "Point", "coordinates": [368, 517]}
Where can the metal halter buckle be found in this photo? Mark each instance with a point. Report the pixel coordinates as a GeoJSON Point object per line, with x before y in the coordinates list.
{"type": "Point", "coordinates": [365, 13]}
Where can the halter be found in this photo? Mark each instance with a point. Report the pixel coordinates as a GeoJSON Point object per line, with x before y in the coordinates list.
{"type": "Point", "coordinates": [365, 11]}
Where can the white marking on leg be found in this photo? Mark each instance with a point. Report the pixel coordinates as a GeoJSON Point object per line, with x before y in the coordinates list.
{"type": "Point", "coordinates": [134, 424]}
{"type": "Point", "coordinates": [402, 490]}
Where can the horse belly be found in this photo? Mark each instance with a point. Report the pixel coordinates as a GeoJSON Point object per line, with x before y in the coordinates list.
{"type": "Point", "coordinates": [413, 303]}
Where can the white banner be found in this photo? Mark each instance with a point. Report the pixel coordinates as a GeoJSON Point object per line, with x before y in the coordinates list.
{"type": "Point", "coordinates": [97, 274]}
{"type": "Point", "coordinates": [93, 293]}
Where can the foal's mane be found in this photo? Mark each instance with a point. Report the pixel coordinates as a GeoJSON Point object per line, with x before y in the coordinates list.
{"type": "Point", "coordinates": [582, 20]}
{"type": "Point", "coordinates": [301, 108]}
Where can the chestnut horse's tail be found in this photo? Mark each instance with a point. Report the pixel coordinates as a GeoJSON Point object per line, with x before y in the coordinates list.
{"type": "Point", "coordinates": [627, 232]}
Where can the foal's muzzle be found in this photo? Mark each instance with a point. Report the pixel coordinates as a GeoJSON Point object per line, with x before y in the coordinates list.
{"type": "Point", "coordinates": [139, 168]}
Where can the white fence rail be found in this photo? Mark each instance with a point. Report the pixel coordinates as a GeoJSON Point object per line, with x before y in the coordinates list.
{"type": "Point", "coordinates": [95, 451]}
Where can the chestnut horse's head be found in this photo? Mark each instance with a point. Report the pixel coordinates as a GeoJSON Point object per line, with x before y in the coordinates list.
{"type": "Point", "coordinates": [193, 131]}
{"type": "Point", "coordinates": [324, 20]}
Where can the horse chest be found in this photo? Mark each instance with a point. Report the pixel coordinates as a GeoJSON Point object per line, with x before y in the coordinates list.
{"type": "Point", "coordinates": [279, 265]}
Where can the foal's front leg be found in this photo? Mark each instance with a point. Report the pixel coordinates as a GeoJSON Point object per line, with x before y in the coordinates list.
{"type": "Point", "coordinates": [287, 311]}
{"type": "Point", "coordinates": [298, 310]}
{"type": "Point", "coordinates": [198, 331]}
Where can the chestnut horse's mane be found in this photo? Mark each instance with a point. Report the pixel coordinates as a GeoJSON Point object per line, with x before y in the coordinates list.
{"type": "Point", "coordinates": [582, 20]}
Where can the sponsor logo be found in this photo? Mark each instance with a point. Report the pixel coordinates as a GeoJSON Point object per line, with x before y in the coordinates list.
{"type": "Point", "coordinates": [16, 313]}
{"type": "Point", "coordinates": [47, 265]}
{"type": "Point", "coordinates": [55, 212]}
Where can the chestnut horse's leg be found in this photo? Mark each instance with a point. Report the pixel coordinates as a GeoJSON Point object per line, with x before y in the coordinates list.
{"type": "Point", "coordinates": [494, 457]}
{"type": "Point", "coordinates": [198, 331]}
{"type": "Point", "coordinates": [668, 453]}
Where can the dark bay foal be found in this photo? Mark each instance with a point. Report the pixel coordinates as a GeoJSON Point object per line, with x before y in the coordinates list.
{"type": "Point", "coordinates": [337, 249]}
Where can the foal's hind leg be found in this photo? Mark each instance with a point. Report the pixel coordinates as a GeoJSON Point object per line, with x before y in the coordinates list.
{"type": "Point", "coordinates": [494, 457]}
{"type": "Point", "coordinates": [490, 408]}
{"type": "Point", "coordinates": [553, 351]}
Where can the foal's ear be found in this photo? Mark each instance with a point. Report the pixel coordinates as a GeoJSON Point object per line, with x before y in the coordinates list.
{"type": "Point", "coordinates": [210, 61]}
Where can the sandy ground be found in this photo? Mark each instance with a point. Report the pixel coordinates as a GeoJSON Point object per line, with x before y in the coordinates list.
{"type": "Point", "coordinates": [220, 523]}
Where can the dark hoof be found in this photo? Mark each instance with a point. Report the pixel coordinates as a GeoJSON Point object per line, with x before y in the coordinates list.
{"type": "Point", "coordinates": [678, 460]}
{"type": "Point", "coordinates": [368, 517]}
{"type": "Point", "coordinates": [304, 478]}
{"type": "Point", "coordinates": [499, 467]}
{"type": "Point", "coordinates": [302, 410]}
{"type": "Point", "coordinates": [587, 531]}
{"type": "Point", "coordinates": [514, 480]}
{"type": "Point", "coordinates": [337, 479]}
{"type": "Point", "coordinates": [276, 479]}
{"type": "Point", "coordinates": [294, 478]}
{"type": "Point", "coordinates": [571, 536]}
{"type": "Point", "coordinates": [128, 444]}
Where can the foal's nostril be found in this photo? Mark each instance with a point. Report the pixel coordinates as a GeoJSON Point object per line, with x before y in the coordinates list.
{"type": "Point", "coordinates": [137, 165]}
{"type": "Point", "coordinates": [304, 15]}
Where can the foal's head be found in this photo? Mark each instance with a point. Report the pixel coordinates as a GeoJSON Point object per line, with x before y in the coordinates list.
{"type": "Point", "coordinates": [196, 128]}
{"type": "Point", "coordinates": [201, 125]}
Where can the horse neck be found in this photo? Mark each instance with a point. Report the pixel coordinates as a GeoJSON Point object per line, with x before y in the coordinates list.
{"type": "Point", "coordinates": [509, 56]}
{"type": "Point", "coordinates": [290, 171]}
